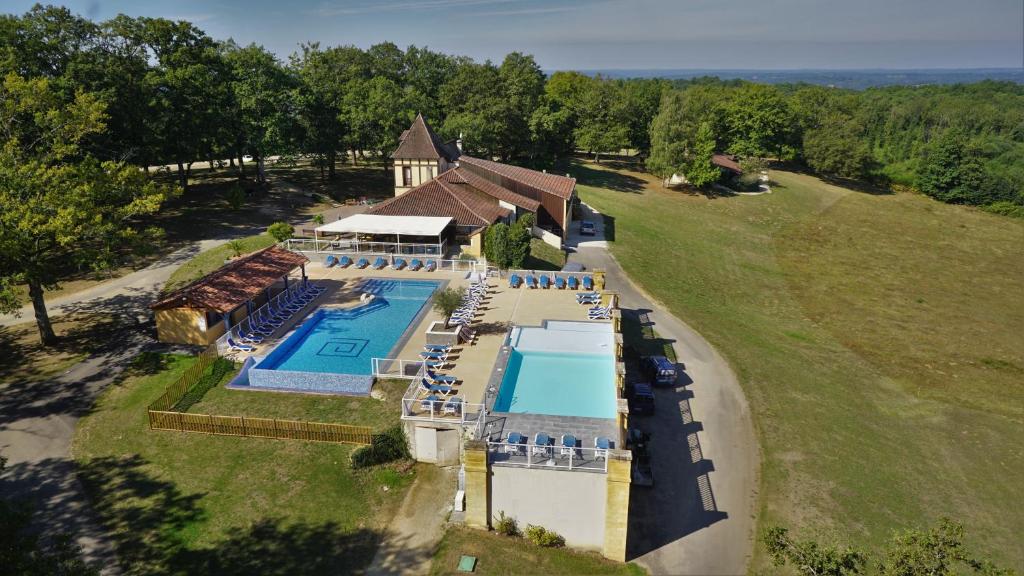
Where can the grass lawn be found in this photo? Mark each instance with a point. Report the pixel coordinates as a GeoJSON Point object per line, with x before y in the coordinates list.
{"type": "Point", "coordinates": [206, 262]}
{"type": "Point", "coordinates": [544, 256]}
{"type": "Point", "coordinates": [182, 503]}
{"type": "Point", "coordinates": [497, 555]}
{"type": "Point", "coordinates": [879, 339]}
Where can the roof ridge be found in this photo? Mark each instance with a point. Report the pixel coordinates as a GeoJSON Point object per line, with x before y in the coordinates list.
{"type": "Point", "coordinates": [459, 200]}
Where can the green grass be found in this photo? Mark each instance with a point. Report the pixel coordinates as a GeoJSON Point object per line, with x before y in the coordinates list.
{"type": "Point", "coordinates": [208, 261]}
{"type": "Point", "coordinates": [878, 339]}
{"type": "Point", "coordinates": [501, 555]}
{"type": "Point", "coordinates": [313, 407]}
{"type": "Point", "coordinates": [180, 503]}
{"type": "Point", "coordinates": [544, 256]}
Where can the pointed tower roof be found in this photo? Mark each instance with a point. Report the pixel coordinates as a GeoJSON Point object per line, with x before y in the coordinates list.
{"type": "Point", "coordinates": [420, 142]}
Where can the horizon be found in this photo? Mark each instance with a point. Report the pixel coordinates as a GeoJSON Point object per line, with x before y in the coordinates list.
{"type": "Point", "coordinates": [614, 35]}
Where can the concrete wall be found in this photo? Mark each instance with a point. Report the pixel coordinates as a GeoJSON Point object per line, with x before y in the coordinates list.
{"type": "Point", "coordinates": [433, 443]}
{"type": "Point", "coordinates": [548, 237]}
{"type": "Point", "coordinates": [570, 503]}
{"type": "Point", "coordinates": [182, 326]}
{"type": "Point", "coordinates": [476, 244]}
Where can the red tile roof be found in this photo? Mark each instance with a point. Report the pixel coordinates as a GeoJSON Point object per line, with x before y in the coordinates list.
{"type": "Point", "coordinates": [468, 206]}
{"type": "Point", "coordinates": [461, 175]}
{"type": "Point", "coordinates": [560, 186]}
{"type": "Point", "coordinates": [234, 283]}
{"type": "Point", "coordinates": [420, 142]}
{"type": "Point", "coordinates": [727, 162]}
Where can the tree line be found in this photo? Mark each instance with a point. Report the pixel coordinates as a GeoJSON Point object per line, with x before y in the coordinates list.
{"type": "Point", "coordinates": [961, 143]}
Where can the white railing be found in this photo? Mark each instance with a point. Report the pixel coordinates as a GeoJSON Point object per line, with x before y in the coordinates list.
{"type": "Point", "coordinates": [551, 274]}
{"type": "Point", "coordinates": [352, 245]}
{"type": "Point", "coordinates": [245, 325]}
{"type": "Point", "coordinates": [397, 368]}
{"type": "Point", "coordinates": [443, 410]}
{"type": "Point", "coordinates": [547, 457]}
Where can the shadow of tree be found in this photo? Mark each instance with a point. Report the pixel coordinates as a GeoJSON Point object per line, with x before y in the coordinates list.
{"type": "Point", "coordinates": [152, 523]}
{"type": "Point", "coordinates": [617, 181]}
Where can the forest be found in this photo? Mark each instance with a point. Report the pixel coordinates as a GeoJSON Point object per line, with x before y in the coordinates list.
{"type": "Point", "coordinates": [172, 95]}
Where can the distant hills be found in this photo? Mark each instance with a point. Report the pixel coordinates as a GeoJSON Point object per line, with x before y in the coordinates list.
{"type": "Point", "coordinates": [855, 79]}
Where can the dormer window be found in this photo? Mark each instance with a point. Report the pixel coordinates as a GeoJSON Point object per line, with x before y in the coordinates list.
{"type": "Point", "coordinates": [406, 175]}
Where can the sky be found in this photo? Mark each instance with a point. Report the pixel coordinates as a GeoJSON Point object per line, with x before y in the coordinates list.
{"type": "Point", "coordinates": [623, 34]}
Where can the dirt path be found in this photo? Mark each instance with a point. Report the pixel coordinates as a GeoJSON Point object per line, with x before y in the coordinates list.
{"type": "Point", "coordinates": [699, 516]}
{"type": "Point", "coordinates": [417, 527]}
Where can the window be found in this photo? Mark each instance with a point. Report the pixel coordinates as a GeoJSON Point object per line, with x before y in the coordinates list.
{"type": "Point", "coordinates": [406, 175]}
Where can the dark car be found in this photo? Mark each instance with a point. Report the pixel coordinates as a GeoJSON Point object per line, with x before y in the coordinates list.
{"type": "Point", "coordinates": [637, 441]}
{"type": "Point", "coordinates": [641, 399]}
{"type": "Point", "coordinates": [660, 370]}
{"type": "Point", "coordinates": [587, 228]}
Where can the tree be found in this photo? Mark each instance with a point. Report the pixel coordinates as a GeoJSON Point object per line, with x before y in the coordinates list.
{"type": "Point", "coordinates": [476, 109]}
{"type": "Point", "coordinates": [810, 558]}
{"type": "Point", "coordinates": [698, 168]}
{"type": "Point", "coordinates": [60, 209]}
{"type": "Point", "coordinates": [835, 148]}
{"type": "Point", "coordinates": [281, 231]}
{"type": "Point", "coordinates": [519, 236]}
{"type": "Point", "coordinates": [760, 122]}
{"type": "Point", "coordinates": [602, 127]}
{"type": "Point", "coordinates": [322, 75]}
{"type": "Point", "coordinates": [447, 301]}
{"type": "Point", "coordinates": [522, 86]}
{"type": "Point", "coordinates": [953, 171]}
{"type": "Point", "coordinates": [496, 245]}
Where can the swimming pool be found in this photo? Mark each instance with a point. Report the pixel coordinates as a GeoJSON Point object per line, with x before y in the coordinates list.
{"type": "Point", "coordinates": [331, 350]}
{"type": "Point", "coordinates": [562, 369]}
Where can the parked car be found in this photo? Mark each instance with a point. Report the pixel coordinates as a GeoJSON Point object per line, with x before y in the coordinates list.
{"type": "Point", "coordinates": [637, 441]}
{"type": "Point", "coordinates": [660, 370]}
{"type": "Point", "coordinates": [641, 399]}
{"type": "Point", "coordinates": [587, 228]}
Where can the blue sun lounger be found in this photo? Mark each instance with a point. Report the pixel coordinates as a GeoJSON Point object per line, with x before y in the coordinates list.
{"type": "Point", "coordinates": [441, 378]}
{"type": "Point", "coordinates": [514, 281]}
{"type": "Point", "coordinates": [588, 282]}
{"type": "Point", "coordinates": [344, 262]}
{"type": "Point", "coordinates": [363, 263]}
{"type": "Point", "coordinates": [545, 282]}
{"type": "Point", "coordinates": [515, 443]}
{"type": "Point", "coordinates": [379, 263]}
{"type": "Point", "coordinates": [573, 283]}
{"type": "Point", "coordinates": [239, 347]}
{"type": "Point", "coordinates": [531, 281]}
{"type": "Point", "coordinates": [559, 282]}
{"type": "Point", "coordinates": [330, 261]}
{"type": "Point", "coordinates": [415, 264]}
{"type": "Point", "coordinates": [435, 388]}
{"type": "Point", "coordinates": [398, 264]}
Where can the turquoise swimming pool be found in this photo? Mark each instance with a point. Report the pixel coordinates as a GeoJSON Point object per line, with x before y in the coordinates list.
{"type": "Point", "coordinates": [558, 384]}
{"type": "Point", "coordinates": [332, 350]}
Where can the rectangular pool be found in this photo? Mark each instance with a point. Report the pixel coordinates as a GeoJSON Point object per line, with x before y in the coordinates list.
{"type": "Point", "coordinates": [562, 369]}
{"type": "Point", "coordinates": [331, 350]}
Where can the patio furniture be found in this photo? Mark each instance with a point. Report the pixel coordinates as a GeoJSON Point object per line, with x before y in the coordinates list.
{"type": "Point", "coordinates": [430, 266]}
{"type": "Point", "coordinates": [541, 445]}
{"type": "Point", "coordinates": [567, 445]}
{"type": "Point", "coordinates": [545, 282]}
{"type": "Point", "coordinates": [236, 347]}
{"type": "Point", "coordinates": [601, 447]}
{"type": "Point", "coordinates": [415, 264]}
{"type": "Point", "coordinates": [379, 263]}
{"type": "Point", "coordinates": [444, 391]}
{"type": "Point", "coordinates": [531, 281]}
{"type": "Point", "coordinates": [398, 264]}
{"type": "Point", "coordinates": [363, 263]}
{"type": "Point", "coordinates": [446, 379]}
{"type": "Point", "coordinates": [514, 281]}
{"type": "Point", "coordinates": [588, 282]}
{"type": "Point", "coordinates": [430, 402]}
{"type": "Point", "coordinates": [572, 282]}
{"type": "Point", "coordinates": [330, 261]}
{"type": "Point", "coordinates": [559, 282]}
{"type": "Point", "coordinates": [515, 443]}
{"type": "Point", "coordinates": [452, 406]}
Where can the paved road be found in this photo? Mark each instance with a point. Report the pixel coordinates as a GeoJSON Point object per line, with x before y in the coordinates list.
{"type": "Point", "coordinates": [699, 516]}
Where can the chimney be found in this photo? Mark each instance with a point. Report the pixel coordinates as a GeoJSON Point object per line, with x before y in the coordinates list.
{"type": "Point", "coordinates": [458, 143]}
{"type": "Point", "coordinates": [545, 170]}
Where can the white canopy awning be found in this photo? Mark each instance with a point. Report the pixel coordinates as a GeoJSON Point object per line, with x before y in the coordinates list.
{"type": "Point", "coordinates": [379, 224]}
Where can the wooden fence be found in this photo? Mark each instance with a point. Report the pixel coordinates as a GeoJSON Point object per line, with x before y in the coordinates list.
{"type": "Point", "coordinates": [260, 427]}
{"type": "Point", "coordinates": [163, 416]}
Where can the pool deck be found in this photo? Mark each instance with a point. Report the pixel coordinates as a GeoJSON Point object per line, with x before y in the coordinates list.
{"type": "Point", "coordinates": [473, 363]}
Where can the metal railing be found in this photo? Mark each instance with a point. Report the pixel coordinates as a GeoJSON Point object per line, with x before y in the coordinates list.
{"type": "Point", "coordinates": [547, 457]}
{"type": "Point", "coordinates": [245, 325]}
{"type": "Point", "coordinates": [443, 410]}
{"type": "Point", "coordinates": [397, 368]}
{"type": "Point", "coordinates": [352, 245]}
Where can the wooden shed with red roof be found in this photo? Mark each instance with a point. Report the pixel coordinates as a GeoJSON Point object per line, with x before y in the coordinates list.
{"type": "Point", "coordinates": [201, 311]}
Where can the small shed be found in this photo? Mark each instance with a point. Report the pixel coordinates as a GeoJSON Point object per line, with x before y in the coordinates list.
{"type": "Point", "coordinates": [201, 311]}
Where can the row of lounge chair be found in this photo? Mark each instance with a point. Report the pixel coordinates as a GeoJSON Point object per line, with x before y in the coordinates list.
{"type": "Point", "coordinates": [440, 389]}
{"type": "Point", "coordinates": [262, 323]}
{"type": "Point", "coordinates": [516, 444]}
{"type": "Point", "coordinates": [465, 314]}
{"type": "Point", "coordinates": [545, 281]}
{"type": "Point", "coordinates": [380, 263]}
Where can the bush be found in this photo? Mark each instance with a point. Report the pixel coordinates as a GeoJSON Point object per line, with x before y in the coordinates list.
{"type": "Point", "coordinates": [506, 525]}
{"type": "Point", "coordinates": [281, 231]}
{"type": "Point", "coordinates": [236, 196]}
{"type": "Point", "coordinates": [541, 536]}
{"type": "Point", "coordinates": [387, 446]}
{"type": "Point", "coordinates": [1006, 208]}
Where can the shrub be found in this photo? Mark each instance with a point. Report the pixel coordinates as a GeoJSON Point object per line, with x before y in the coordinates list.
{"type": "Point", "coordinates": [318, 219]}
{"type": "Point", "coordinates": [1006, 208]}
{"type": "Point", "coordinates": [236, 196]}
{"type": "Point", "coordinates": [541, 536]}
{"type": "Point", "coordinates": [506, 525]}
{"type": "Point", "coordinates": [387, 446]}
{"type": "Point", "coordinates": [236, 247]}
{"type": "Point", "coordinates": [281, 231]}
